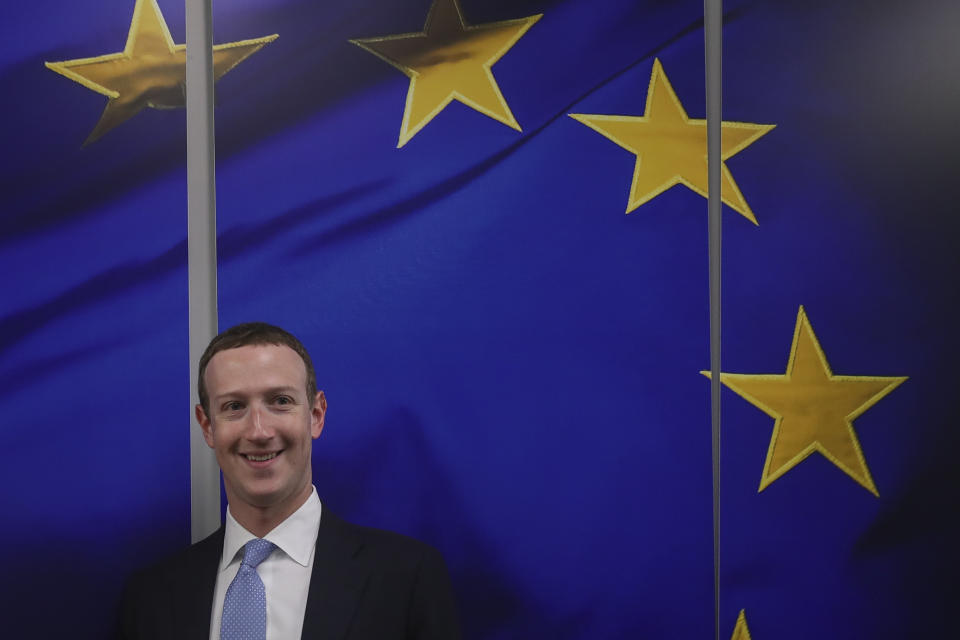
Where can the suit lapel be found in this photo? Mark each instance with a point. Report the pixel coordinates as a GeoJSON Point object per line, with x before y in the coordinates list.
{"type": "Point", "coordinates": [336, 582]}
{"type": "Point", "coordinates": [194, 587]}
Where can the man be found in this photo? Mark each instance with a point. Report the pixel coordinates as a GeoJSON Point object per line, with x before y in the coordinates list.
{"type": "Point", "coordinates": [283, 566]}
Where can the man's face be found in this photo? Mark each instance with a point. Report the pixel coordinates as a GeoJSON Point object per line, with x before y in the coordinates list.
{"type": "Point", "coordinates": [261, 424]}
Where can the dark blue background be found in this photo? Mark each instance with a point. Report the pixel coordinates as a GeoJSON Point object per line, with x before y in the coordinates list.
{"type": "Point", "coordinates": [511, 363]}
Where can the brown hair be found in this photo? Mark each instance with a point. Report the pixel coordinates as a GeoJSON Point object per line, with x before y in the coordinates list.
{"type": "Point", "coordinates": [254, 333]}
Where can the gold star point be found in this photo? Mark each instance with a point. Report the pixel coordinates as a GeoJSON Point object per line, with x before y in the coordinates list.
{"type": "Point", "coordinates": [741, 631]}
{"type": "Point", "coordinates": [671, 147]}
{"type": "Point", "coordinates": [450, 60]}
{"type": "Point", "coordinates": [149, 72]}
{"type": "Point", "coordinates": [813, 409]}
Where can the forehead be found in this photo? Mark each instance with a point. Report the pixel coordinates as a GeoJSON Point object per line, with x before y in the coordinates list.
{"type": "Point", "coordinates": [255, 366]}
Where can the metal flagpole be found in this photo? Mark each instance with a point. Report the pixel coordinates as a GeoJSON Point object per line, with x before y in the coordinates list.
{"type": "Point", "coordinates": [201, 252]}
{"type": "Point", "coordinates": [713, 31]}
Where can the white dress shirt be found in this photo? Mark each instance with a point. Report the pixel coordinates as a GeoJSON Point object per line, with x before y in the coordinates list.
{"type": "Point", "coordinates": [285, 572]}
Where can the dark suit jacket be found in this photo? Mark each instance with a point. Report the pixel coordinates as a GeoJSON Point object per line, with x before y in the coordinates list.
{"type": "Point", "coordinates": [366, 584]}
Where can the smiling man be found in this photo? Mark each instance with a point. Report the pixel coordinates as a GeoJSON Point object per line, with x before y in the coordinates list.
{"type": "Point", "coordinates": [260, 411]}
{"type": "Point", "coordinates": [282, 566]}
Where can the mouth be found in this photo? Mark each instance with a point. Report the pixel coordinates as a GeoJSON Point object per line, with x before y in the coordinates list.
{"type": "Point", "coordinates": [261, 459]}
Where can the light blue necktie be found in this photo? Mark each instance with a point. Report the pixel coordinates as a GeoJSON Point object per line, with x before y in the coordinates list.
{"type": "Point", "coordinates": [245, 605]}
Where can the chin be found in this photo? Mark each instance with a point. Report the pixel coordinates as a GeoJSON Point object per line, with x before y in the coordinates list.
{"type": "Point", "coordinates": [267, 498]}
{"type": "Point", "coordinates": [263, 497]}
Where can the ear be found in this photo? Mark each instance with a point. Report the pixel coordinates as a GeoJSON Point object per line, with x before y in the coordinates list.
{"type": "Point", "coordinates": [205, 425]}
{"type": "Point", "coordinates": [318, 413]}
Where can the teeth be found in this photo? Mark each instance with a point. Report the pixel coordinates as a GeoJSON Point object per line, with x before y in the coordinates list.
{"type": "Point", "coordinates": [269, 456]}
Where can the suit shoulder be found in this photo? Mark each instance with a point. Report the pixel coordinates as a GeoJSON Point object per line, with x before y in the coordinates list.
{"type": "Point", "coordinates": [387, 547]}
{"type": "Point", "coordinates": [196, 556]}
{"type": "Point", "coordinates": [176, 583]}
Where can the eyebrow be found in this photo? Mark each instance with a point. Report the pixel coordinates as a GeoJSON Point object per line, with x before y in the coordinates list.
{"type": "Point", "coordinates": [272, 390]}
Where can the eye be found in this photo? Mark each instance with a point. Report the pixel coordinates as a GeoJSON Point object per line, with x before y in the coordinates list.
{"type": "Point", "coordinates": [283, 400]}
{"type": "Point", "coordinates": [232, 405]}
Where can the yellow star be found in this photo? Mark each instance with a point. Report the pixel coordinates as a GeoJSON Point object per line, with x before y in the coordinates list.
{"type": "Point", "coordinates": [814, 409]}
{"type": "Point", "coordinates": [672, 148]}
{"type": "Point", "coordinates": [741, 631]}
{"type": "Point", "coordinates": [150, 71]}
{"type": "Point", "coordinates": [450, 61]}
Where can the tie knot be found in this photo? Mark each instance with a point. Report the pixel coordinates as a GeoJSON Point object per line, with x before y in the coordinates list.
{"type": "Point", "coordinates": [256, 551]}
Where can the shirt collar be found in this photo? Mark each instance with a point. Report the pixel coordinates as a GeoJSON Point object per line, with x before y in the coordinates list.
{"type": "Point", "coordinates": [296, 536]}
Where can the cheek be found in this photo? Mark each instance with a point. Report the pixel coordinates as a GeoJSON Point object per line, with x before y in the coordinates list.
{"type": "Point", "coordinates": [303, 445]}
{"type": "Point", "coordinates": [304, 449]}
{"type": "Point", "coordinates": [223, 439]}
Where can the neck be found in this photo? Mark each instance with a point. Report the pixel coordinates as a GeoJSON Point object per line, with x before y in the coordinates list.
{"type": "Point", "coordinates": [261, 520]}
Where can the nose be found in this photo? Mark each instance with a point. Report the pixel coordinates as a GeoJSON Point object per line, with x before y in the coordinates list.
{"type": "Point", "coordinates": [260, 427]}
